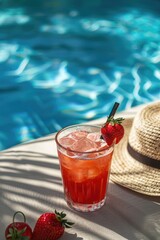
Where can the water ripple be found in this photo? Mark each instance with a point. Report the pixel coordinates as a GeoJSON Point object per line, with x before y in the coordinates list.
{"type": "Point", "coordinates": [62, 67]}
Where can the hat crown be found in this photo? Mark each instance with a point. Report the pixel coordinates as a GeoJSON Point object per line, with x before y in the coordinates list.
{"type": "Point", "coordinates": [144, 137]}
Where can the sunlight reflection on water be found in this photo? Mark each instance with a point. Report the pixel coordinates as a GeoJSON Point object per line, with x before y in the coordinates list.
{"type": "Point", "coordinates": [64, 68]}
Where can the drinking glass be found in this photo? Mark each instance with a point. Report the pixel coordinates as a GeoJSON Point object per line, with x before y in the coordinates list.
{"type": "Point", "coordinates": [85, 161]}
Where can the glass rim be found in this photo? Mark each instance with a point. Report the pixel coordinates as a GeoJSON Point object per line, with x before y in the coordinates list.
{"type": "Point", "coordinates": [78, 152]}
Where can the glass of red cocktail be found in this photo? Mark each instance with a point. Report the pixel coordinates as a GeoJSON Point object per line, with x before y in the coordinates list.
{"type": "Point", "coordinates": [85, 161]}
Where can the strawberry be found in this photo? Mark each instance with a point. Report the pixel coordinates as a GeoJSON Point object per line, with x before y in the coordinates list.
{"type": "Point", "coordinates": [18, 230]}
{"type": "Point", "coordinates": [112, 131]}
{"type": "Point", "coordinates": [119, 132]}
{"type": "Point", "coordinates": [50, 226]}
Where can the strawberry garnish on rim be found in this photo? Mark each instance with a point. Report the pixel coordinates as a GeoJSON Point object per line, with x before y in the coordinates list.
{"type": "Point", "coordinates": [113, 131]}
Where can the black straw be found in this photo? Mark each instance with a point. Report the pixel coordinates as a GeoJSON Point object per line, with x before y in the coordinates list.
{"type": "Point", "coordinates": [114, 109]}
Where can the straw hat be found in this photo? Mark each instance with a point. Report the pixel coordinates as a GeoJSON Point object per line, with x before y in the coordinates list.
{"type": "Point", "coordinates": [136, 159]}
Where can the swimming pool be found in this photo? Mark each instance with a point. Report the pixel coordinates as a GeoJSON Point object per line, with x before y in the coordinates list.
{"type": "Point", "coordinates": [66, 62]}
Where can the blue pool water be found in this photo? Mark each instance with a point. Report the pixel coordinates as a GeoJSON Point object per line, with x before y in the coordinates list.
{"type": "Point", "coordinates": [66, 62]}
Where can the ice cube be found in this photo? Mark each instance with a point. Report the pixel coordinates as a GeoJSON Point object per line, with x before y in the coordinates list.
{"type": "Point", "coordinates": [78, 134]}
{"type": "Point", "coordinates": [101, 145]}
{"type": "Point", "coordinates": [66, 141]}
{"type": "Point", "coordinates": [80, 176]}
{"type": "Point", "coordinates": [83, 145]}
{"type": "Point", "coordinates": [94, 136]}
{"type": "Point", "coordinates": [93, 172]}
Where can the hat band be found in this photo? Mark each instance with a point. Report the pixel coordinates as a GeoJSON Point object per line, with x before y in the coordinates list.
{"type": "Point", "coordinates": [143, 159]}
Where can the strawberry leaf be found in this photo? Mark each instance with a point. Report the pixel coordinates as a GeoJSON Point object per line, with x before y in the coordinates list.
{"type": "Point", "coordinates": [14, 234]}
{"type": "Point", "coordinates": [61, 217]}
{"type": "Point", "coordinates": [113, 121]}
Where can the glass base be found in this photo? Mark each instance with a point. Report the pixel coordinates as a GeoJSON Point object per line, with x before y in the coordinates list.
{"type": "Point", "coordinates": [86, 207]}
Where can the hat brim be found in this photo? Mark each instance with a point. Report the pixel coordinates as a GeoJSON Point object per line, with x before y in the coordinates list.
{"type": "Point", "coordinates": [130, 173]}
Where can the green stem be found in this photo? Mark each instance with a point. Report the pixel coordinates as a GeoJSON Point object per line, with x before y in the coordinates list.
{"type": "Point", "coordinates": [21, 214]}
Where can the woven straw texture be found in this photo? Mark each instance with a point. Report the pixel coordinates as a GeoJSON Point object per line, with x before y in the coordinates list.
{"type": "Point", "coordinates": [144, 136]}
{"type": "Point", "coordinates": [145, 133]}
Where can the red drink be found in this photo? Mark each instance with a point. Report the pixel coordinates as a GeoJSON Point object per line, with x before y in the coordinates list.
{"type": "Point", "coordinates": [85, 162]}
